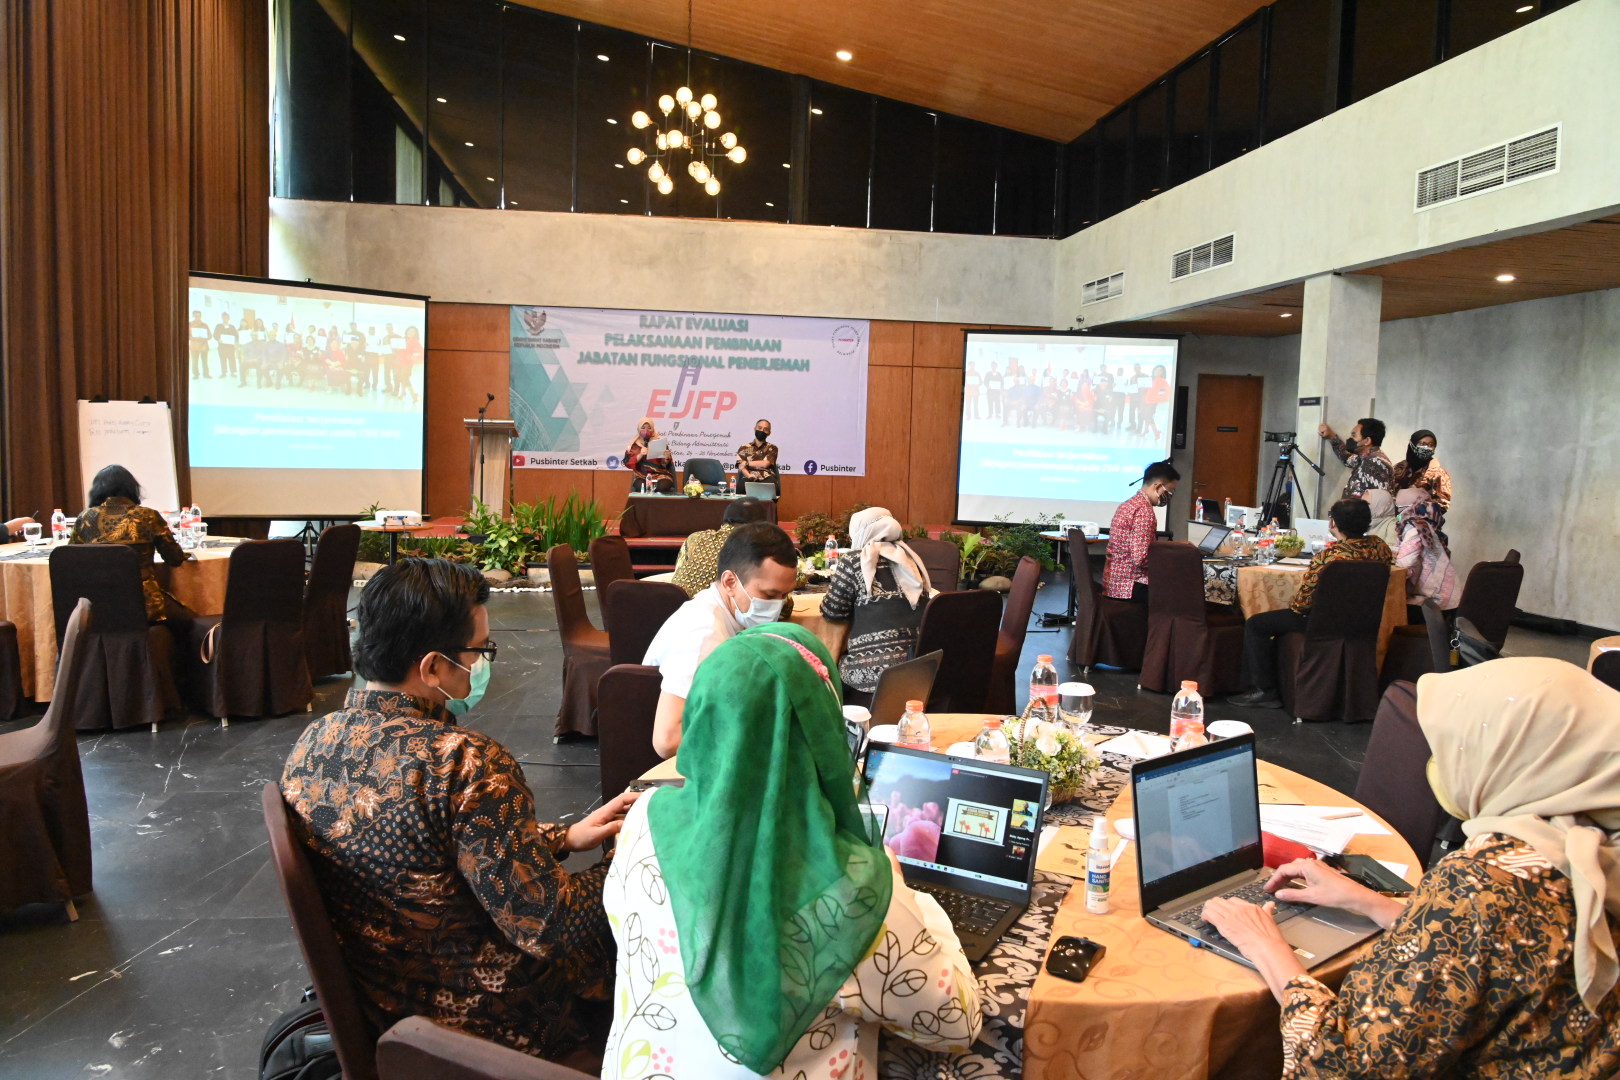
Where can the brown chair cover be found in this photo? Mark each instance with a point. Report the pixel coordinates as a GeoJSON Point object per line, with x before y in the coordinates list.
{"type": "Point", "coordinates": [1187, 638]}
{"type": "Point", "coordinates": [418, 1049]}
{"type": "Point", "coordinates": [1003, 694]}
{"type": "Point", "coordinates": [585, 648]}
{"type": "Point", "coordinates": [1107, 630]}
{"type": "Point", "coordinates": [250, 660]}
{"type": "Point", "coordinates": [1393, 783]}
{"type": "Point", "coordinates": [633, 612]}
{"type": "Point", "coordinates": [1414, 651]}
{"type": "Point", "coordinates": [10, 671]}
{"type": "Point", "coordinates": [326, 601]}
{"type": "Point", "coordinates": [353, 1034]}
{"type": "Point", "coordinates": [128, 678]}
{"type": "Point", "coordinates": [943, 561]}
{"type": "Point", "coordinates": [963, 624]}
{"type": "Point", "coordinates": [626, 701]}
{"type": "Point", "coordinates": [1330, 672]}
{"type": "Point", "coordinates": [1490, 596]}
{"type": "Point", "coordinates": [44, 820]}
{"type": "Point", "coordinates": [610, 562]}
{"type": "Point", "coordinates": [1606, 668]}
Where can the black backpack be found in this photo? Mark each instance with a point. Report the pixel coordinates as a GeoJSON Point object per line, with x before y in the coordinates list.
{"type": "Point", "coordinates": [298, 1045]}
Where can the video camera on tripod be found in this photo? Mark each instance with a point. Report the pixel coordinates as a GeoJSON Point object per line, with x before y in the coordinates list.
{"type": "Point", "coordinates": [1279, 500]}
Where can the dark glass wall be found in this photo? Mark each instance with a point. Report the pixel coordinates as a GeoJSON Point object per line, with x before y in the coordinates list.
{"type": "Point", "coordinates": [482, 103]}
{"type": "Point", "coordinates": [1291, 63]}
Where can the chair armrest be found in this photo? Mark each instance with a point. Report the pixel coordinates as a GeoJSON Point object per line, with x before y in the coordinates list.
{"type": "Point", "coordinates": [418, 1049]}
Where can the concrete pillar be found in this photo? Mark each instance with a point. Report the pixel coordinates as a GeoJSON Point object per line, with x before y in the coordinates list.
{"type": "Point", "coordinates": [1338, 363]}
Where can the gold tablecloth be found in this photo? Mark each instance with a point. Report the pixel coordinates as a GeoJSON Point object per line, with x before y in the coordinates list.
{"type": "Point", "coordinates": [1272, 588]}
{"type": "Point", "coordinates": [25, 599]}
{"type": "Point", "coordinates": [1154, 1006]}
{"type": "Point", "coordinates": [1599, 646]}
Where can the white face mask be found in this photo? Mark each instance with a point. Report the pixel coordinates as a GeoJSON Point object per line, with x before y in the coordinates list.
{"type": "Point", "coordinates": [759, 611]}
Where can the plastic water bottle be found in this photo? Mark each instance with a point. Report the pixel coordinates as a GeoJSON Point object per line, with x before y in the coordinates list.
{"type": "Point", "coordinates": [1043, 686]}
{"type": "Point", "coordinates": [1226, 511]}
{"type": "Point", "coordinates": [1240, 543]}
{"type": "Point", "coordinates": [1187, 717]}
{"type": "Point", "coordinates": [991, 745]}
{"type": "Point", "coordinates": [1099, 868]}
{"type": "Point", "coordinates": [59, 529]}
{"type": "Point", "coordinates": [1263, 543]}
{"type": "Point", "coordinates": [915, 730]}
{"type": "Point", "coordinates": [831, 549]}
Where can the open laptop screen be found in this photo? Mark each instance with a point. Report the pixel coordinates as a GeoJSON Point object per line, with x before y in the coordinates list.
{"type": "Point", "coordinates": [1197, 815]}
{"type": "Point", "coordinates": [1213, 539]}
{"type": "Point", "coordinates": [967, 820]}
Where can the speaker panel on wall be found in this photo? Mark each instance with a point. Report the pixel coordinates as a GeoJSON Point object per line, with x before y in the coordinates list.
{"type": "Point", "coordinates": [1178, 426]}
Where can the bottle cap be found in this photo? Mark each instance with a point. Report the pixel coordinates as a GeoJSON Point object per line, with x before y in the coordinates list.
{"type": "Point", "coordinates": [914, 706]}
{"type": "Point", "coordinates": [1189, 684]}
{"type": "Point", "coordinates": [1044, 658]}
{"type": "Point", "coordinates": [1099, 832]}
{"type": "Point", "coordinates": [992, 721]}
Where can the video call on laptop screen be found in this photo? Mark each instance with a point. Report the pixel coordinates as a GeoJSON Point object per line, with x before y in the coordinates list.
{"type": "Point", "coordinates": [1197, 811]}
{"type": "Point", "coordinates": [948, 815]}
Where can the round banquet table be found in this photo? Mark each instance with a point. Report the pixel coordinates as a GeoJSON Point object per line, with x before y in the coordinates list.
{"type": "Point", "coordinates": [1154, 1006]}
{"type": "Point", "coordinates": [1272, 588]}
{"type": "Point", "coordinates": [1599, 646]}
{"type": "Point", "coordinates": [25, 599]}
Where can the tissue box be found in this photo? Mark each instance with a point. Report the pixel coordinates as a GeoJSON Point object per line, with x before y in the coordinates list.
{"type": "Point", "coordinates": [396, 518]}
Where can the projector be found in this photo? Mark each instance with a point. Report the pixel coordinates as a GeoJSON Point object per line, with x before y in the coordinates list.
{"type": "Point", "coordinates": [395, 518]}
{"type": "Point", "coordinates": [1090, 528]}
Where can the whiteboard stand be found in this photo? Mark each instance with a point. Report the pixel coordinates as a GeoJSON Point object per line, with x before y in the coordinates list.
{"type": "Point", "coordinates": [137, 436]}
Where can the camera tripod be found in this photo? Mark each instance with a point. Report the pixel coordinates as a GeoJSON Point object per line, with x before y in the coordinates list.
{"type": "Point", "coordinates": [1284, 485]}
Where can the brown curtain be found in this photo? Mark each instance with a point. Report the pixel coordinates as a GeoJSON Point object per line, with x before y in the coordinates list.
{"type": "Point", "coordinates": [135, 142]}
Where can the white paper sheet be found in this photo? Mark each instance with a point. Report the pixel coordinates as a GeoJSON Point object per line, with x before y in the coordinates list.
{"type": "Point", "coordinates": [1139, 745]}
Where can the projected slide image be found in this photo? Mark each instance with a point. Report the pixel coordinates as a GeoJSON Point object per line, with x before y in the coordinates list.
{"type": "Point", "coordinates": [976, 821]}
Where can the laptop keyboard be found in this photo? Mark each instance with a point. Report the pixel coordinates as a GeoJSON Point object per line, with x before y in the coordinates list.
{"type": "Point", "coordinates": [972, 914]}
{"type": "Point", "coordinates": [1254, 893]}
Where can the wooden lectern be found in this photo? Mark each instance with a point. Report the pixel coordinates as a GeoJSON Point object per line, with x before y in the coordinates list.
{"type": "Point", "coordinates": [489, 468]}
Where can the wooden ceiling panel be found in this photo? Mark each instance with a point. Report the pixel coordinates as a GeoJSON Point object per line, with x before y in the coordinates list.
{"type": "Point", "coordinates": [1559, 262]}
{"type": "Point", "coordinates": [1046, 67]}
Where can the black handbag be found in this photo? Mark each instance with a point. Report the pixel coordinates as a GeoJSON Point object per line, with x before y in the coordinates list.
{"type": "Point", "coordinates": [298, 1045]}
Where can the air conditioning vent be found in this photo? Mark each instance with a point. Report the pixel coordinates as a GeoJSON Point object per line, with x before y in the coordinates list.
{"type": "Point", "coordinates": [1102, 289]}
{"type": "Point", "coordinates": [1512, 162]}
{"type": "Point", "coordinates": [1206, 256]}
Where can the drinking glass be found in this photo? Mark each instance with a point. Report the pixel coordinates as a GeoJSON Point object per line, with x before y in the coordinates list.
{"type": "Point", "coordinates": [1075, 700]}
{"type": "Point", "coordinates": [199, 534]}
{"type": "Point", "coordinates": [31, 533]}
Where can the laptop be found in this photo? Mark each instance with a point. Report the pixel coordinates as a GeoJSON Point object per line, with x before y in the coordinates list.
{"type": "Point", "coordinates": [900, 683]}
{"type": "Point", "coordinates": [965, 832]}
{"type": "Point", "coordinates": [1313, 529]}
{"type": "Point", "coordinates": [760, 491]}
{"type": "Point", "coordinates": [1213, 538]}
{"type": "Point", "coordinates": [1198, 837]}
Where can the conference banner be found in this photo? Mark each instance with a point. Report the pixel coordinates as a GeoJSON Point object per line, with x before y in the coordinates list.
{"type": "Point", "coordinates": [582, 379]}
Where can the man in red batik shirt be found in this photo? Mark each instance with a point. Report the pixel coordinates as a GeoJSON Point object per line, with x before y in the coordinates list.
{"type": "Point", "coordinates": [1125, 574]}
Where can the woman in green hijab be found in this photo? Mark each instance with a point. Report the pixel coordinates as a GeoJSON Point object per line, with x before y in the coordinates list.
{"type": "Point", "coordinates": [760, 930]}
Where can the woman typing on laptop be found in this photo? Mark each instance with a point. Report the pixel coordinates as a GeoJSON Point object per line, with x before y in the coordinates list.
{"type": "Point", "coordinates": [1503, 962]}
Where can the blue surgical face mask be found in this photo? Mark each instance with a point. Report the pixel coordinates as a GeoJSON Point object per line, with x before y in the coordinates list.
{"type": "Point", "coordinates": [760, 612]}
{"type": "Point", "coordinates": [475, 691]}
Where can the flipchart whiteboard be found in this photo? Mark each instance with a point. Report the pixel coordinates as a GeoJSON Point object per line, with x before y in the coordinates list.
{"type": "Point", "coordinates": [136, 436]}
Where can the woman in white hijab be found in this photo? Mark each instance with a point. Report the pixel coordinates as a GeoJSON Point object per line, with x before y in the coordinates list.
{"type": "Point", "coordinates": [1382, 505]}
{"type": "Point", "coordinates": [1502, 963]}
{"type": "Point", "coordinates": [880, 588]}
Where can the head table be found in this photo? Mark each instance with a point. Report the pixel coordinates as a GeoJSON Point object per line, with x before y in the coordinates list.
{"type": "Point", "coordinates": [1154, 1006]}
{"type": "Point", "coordinates": [25, 599]}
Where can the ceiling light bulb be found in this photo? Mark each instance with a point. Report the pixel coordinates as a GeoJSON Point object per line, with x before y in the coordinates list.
{"type": "Point", "coordinates": [709, 101]}
{"type": "Point", "coordinates": [1287, 315]}
{"type": "Point", "coordinates": [441, 101]}
{"type": "Point", "coordinates": [703, 173]}
{"type": "Point", "coordinates": [663, 143]}
{"type": "Point", "coordinates": [677, 140]}
{"type": "Point", "coordinates": [694, 110]}
{"type": "Point", "coordinates": [815, 112]}
{"type": "Point", "coordinates": [612, 121]}
{"type": "Point", "coordinates": [787, 165]}
{"type": "Point", "coordinates": [770, 204]}
{"type": "Point", "coordinates": [602, 57]}
{"type": "Point", "coordinates": [712, 187]}
{"type": "Point", "coordinates": [399, 37]}
{"type": "Point", "coordinates": [844, 55]}
{"type": "Point", "coordinates": [1521, 11]}
{"type": "Point", "coordinates": [728, 140]}
{"type": "Point", "coordinates": [656, 172]}
{"type": "Point", "coordinates": [737, 154]}
{"type": "Point", "coordinates": [635, 155]}
{"type": "Point", "coordinates": [665, 186]}
{"type": "Point", "coordinates": [1505, 278]}
{"type": "Point", "coordinates": [711, 120]}
{"type": "Point", "coordinates": [691, 170]}
{"type": "Point", "coordinates": [683, 95]}
{"type": "Point", "coordinates": [469, 144]}
{"type": "Point", "coordinates": [666, 104]}
{"type": "Point", "coordinates": [640, 119]}
{"type": "Point", "coordinates": [491, 179]}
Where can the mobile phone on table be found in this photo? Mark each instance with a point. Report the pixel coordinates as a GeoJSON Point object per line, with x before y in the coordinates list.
{"type": "Point", "coordinates": [1073, 958]}
{"type": "Point", "coordinates": [1368, 871]}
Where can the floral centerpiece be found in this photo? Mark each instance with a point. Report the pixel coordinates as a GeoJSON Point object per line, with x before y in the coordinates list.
{"type": "Point", "coordinates": [1289, 545]}
{"type": "Point", "coordinates": [1037, 742]}
{"type": "Point", "coordinates": [694, 488]}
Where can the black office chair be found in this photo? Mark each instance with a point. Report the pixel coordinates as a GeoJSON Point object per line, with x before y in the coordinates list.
{"type": "Point", "coordinates": [707, 471]}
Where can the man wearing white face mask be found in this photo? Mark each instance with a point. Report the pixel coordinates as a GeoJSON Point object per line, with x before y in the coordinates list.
{"type": "Point", "coordinates": [448, 897]}
{"type": "Point", "coordinates": [758, 567]}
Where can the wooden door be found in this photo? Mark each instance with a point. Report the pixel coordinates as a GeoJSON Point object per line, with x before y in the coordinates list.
{"type": "Point", "coordinates": [1226, 439]}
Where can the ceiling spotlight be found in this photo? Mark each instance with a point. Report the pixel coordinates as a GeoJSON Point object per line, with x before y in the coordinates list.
{"type": "Point", "coordinates": [511, 202]}
{"type": "Point", "coordinates": [770, 204]}
{"type": "Point", "coordinates": [491, 179]}
{"type": "Point", "coordinates": [1521, 11]}
{"type": "Point", "coordinates": [815, 112]}
{"type": "Point", "coordinates": [602, 57]}
{"type": "Point", "coordinates": [612, 121]}
{"type": "Point", "coordinates": [785, 165]}
{"type": "Point", "coordinates": [1287, 315]}
{"type": "Point", "coordinates": [399, 37]}
{"type": "Point", "coordinates": [469, 144]}
{"type": "Point", "coordinates": [618, 164]}
{"type": "Point", "coordinates": [844, 55]}
{"type": "Point", "coordinates": [625, 201]}
{"type": "Point", "coordinates": [441, 101]}
{"type": "Point", "coordinates": [1505, 278]}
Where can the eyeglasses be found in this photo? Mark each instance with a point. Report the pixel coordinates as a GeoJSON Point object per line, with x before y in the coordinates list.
{"type": "Point", "coordinates": [486, 651]}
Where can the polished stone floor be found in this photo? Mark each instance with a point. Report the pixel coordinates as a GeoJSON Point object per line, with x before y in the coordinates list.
{"type": "Point", "coordinates": [183, 954]}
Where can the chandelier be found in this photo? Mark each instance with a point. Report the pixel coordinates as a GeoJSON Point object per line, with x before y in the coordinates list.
{"type": "Point", "coordinates": [691, 129]}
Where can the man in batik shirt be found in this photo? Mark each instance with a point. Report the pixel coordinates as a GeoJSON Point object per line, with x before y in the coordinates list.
{"type": "Point", "coordinates": [448, 897]}
{"type": "Point", "coordinates": [1370, 467]}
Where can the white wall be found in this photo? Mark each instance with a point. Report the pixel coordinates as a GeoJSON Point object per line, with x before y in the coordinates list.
{"type": "Point", "coordinates": [606, 260]}
{"type": "Point", "coordinates": [1337, 194]}
{"type": "Point", "coordinates": [1523, 401]}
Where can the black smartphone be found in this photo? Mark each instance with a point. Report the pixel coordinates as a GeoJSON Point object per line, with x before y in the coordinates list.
{"type": "Point", "coordinates": [1368, 871]}
{"type": "Point", "coordinates": [1073, 958]}
{"type": "Point", "coordinates": [648, 785]}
